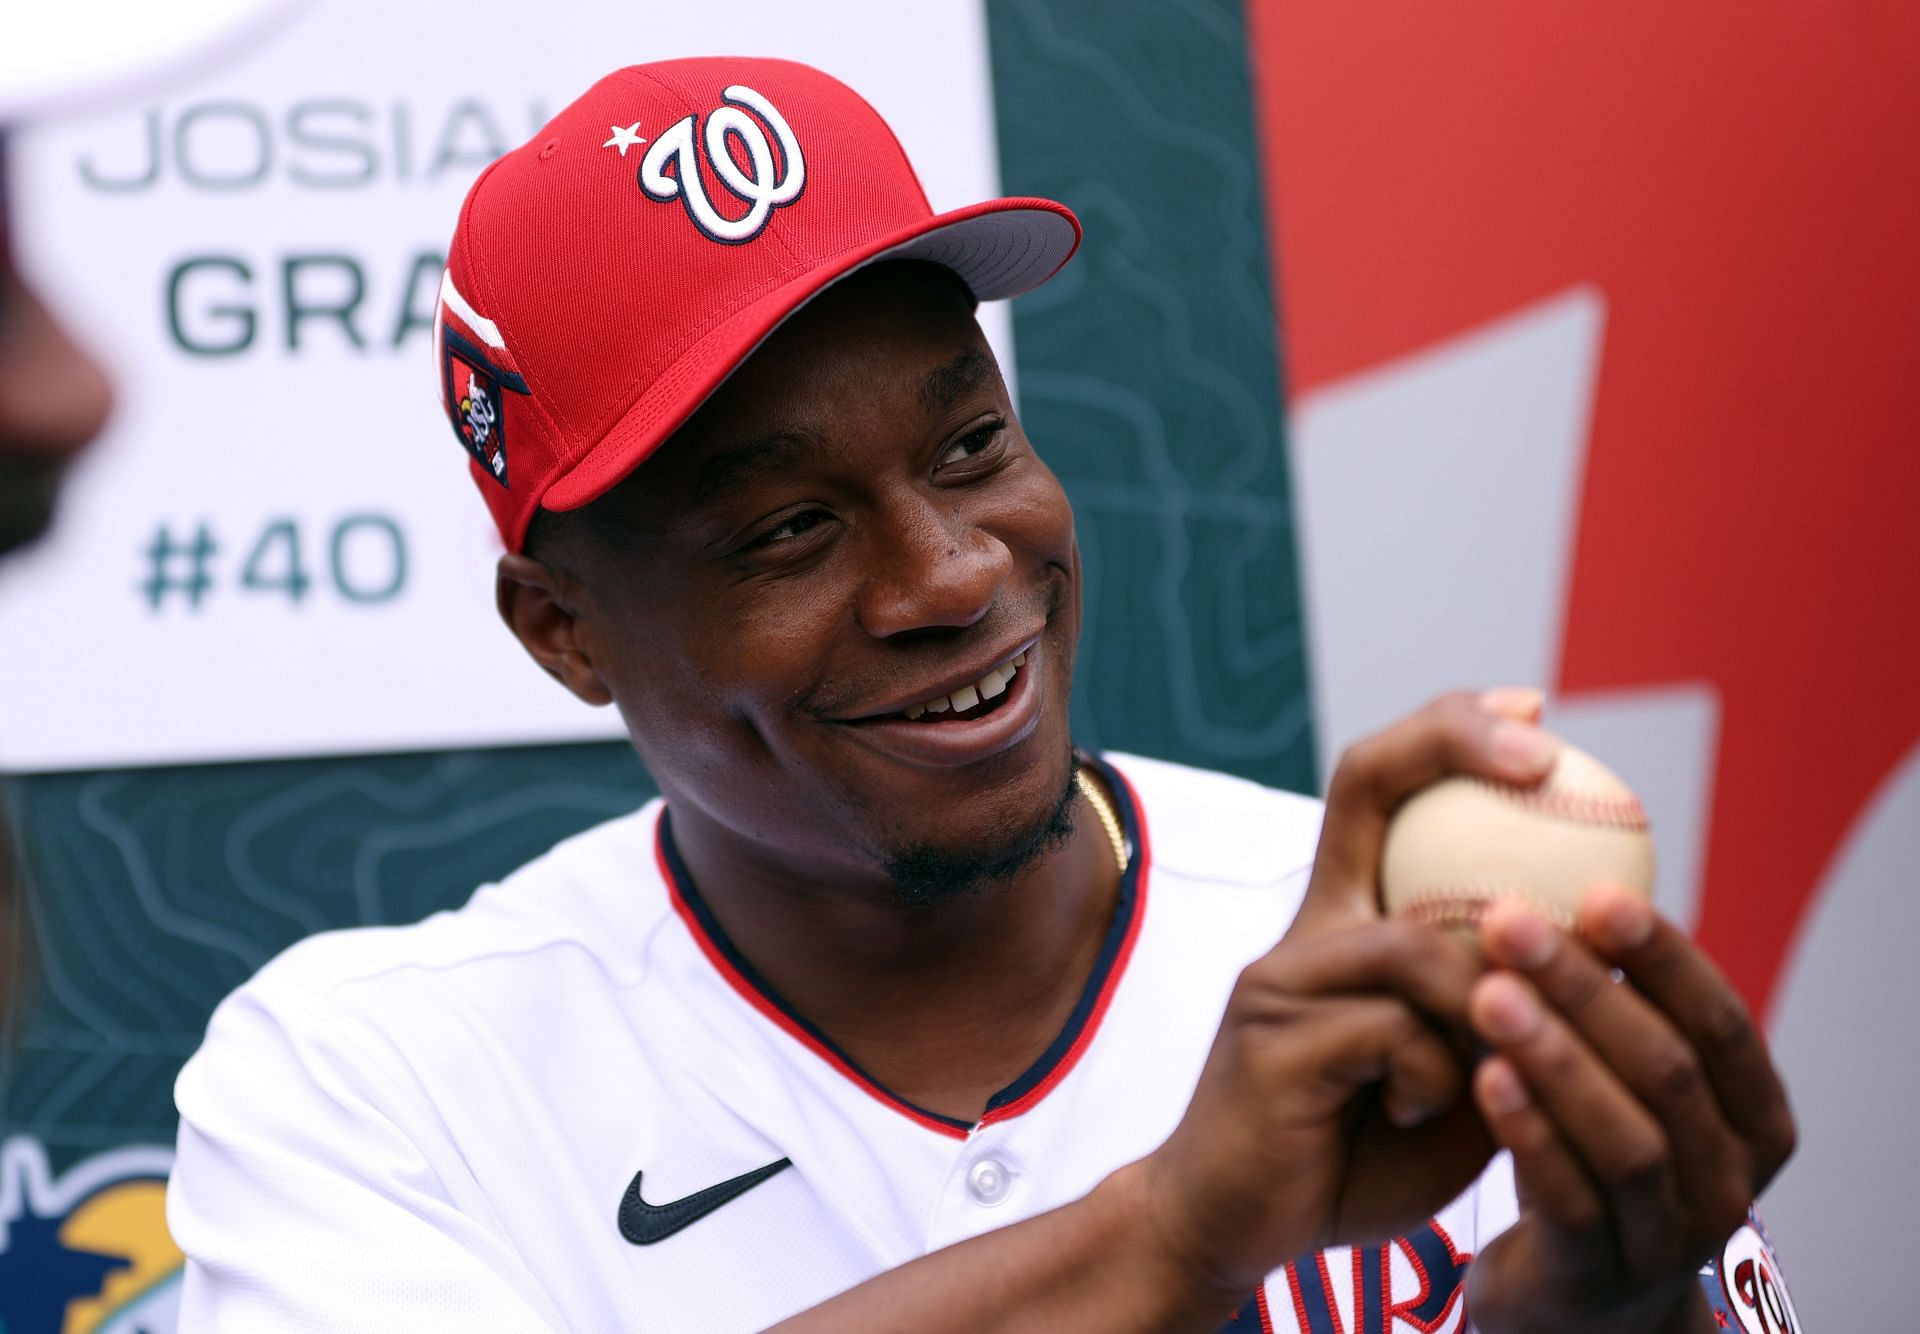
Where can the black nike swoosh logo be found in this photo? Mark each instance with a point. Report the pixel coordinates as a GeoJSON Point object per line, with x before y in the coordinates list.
{"type": "Point", "coordinates": [643, 1224]}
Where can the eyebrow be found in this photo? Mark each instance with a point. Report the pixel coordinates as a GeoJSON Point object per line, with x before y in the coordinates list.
{"type": "Point", "coordinates": [740, 465]}
{"type": "Point", "coordinates": [785, 449]}
{"type": "Point", "coordinates": [948, 381]}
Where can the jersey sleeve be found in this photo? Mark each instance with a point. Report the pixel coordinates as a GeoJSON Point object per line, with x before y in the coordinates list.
{"type": "Point", "coordinates": [302, 1204]}
{"type": "Point", "coordinates": [1744, 1286]}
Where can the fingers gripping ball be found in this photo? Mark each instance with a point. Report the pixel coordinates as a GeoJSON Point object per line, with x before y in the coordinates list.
{"type": "Point", "coordinates": [1459, 846]}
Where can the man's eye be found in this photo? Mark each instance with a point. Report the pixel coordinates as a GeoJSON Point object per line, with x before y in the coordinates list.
{"type": "Point", "coordinates": [972, 443]}
{"type": "Point", "coordinates": [789, 528]}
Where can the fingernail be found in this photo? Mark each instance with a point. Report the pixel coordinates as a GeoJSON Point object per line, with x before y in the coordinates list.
{"type": "Point", "coordinates": [1627, 921]}
{"type": "Point", "coordinates": [1522, 746]}
{"type": "Point", "coordinates": [1523, 702]}
{"type": "Point", "coordinates": [1527, 939]}
{"type": "Point", "coordinates": [1501, 1087]}
{"type": "Point", "coordinates": [1405, 1115]}
{"type": "Point", "coordinates": [1510, 1014]}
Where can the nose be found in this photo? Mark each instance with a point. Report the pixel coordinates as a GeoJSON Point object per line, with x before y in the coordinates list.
{"type": "Point", "coordinates": [929, 569]}
{"type": "Point", "coordinates": [54, 398]}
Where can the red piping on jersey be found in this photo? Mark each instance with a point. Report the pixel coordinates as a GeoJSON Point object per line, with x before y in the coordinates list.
{"type": "Point", "coordinates": [773, 1012]}
{"type": "Point", "coordinates": [1458, 1297]}
{"type": "Point", "coordinates": [1299, 1299]}
{"type": "Point", "coordinates": [787, 1024]}
{"type": "Point", "coordinates": [1066, 1063]}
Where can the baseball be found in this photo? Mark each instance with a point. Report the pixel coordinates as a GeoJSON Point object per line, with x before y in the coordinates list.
{"type": "Point", "coordinates": [1461, 845]}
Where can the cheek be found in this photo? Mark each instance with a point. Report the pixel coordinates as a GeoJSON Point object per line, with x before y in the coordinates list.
{"type": "Point", "coordinates": [1036, 523]}
{"type": "Point", "coordinates": [710, 681]}
{"type": "Point", "coordinates": [1034, 519]}
{"type": "Point", "coordinates": [1044, 528]}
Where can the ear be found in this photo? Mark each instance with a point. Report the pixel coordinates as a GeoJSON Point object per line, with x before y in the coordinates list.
{"type": "Point", "coordinates": [541, 606]}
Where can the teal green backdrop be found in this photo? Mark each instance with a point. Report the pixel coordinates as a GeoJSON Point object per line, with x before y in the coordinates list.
{"type": "Point", "coordinates": [1148, 376]}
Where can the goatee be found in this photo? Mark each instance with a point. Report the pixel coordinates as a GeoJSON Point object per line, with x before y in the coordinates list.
{"type": "Point", "coordinates": [924, 877]}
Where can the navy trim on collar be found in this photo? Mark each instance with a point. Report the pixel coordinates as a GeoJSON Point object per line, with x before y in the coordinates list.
{"type": "Point", "coordinates": [1119, 932]}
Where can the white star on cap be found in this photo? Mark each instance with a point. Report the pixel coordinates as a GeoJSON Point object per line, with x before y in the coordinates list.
{"type": "Point", "coordinates": [624, 139]}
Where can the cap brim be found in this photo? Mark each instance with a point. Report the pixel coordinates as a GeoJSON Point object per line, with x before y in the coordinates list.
{"type": "Point", "coordinates": [999, 248]}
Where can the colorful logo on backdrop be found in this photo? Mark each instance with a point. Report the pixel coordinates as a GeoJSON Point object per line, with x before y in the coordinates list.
{"type": "Point", "coordinates": [681, 159]}
{"type": "Point", "coordinates": [87, 1250]}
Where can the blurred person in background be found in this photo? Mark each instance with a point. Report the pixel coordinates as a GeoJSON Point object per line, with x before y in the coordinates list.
{"type": "Point", "coordinates": [53, 400]}
{"type": "Point", "coordinates": [54, 397]}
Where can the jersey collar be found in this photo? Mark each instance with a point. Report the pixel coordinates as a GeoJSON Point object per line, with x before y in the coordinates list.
{"type": "Point", "coordinates": [1053, 1065]}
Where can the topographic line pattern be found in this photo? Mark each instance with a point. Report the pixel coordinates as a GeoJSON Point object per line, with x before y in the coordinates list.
{"type": "Point", "coordinates": [153, 893]}
{"type": "Point", "coordinates": [1149, 376]}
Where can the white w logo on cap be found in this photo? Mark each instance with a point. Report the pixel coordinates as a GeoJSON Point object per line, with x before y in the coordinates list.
{"type": "Point", "coordinates": [762, 192]}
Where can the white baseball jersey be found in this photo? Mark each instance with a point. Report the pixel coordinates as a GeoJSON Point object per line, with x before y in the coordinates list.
{"type": "Point", "coordinates": [572, 1105]}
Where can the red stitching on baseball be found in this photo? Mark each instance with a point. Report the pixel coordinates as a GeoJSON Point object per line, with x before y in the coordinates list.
{"type": "Point", "coordinates": [1466, 906]}
{"type": "Point", "coordinates": [1619, 812]}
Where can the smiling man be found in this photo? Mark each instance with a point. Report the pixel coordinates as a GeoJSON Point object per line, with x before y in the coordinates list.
{"type": "Point", "coordinates": [896, 1010]}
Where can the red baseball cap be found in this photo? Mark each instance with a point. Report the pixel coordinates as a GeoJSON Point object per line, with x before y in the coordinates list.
{"type": "Point", "coordinates": [607, 275]}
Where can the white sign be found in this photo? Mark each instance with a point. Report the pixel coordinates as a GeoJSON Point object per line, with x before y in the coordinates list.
{"type": "Point", "coordinates": [276, 548]}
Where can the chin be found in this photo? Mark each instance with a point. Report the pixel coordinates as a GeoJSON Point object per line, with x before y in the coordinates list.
{"type": "Point", "coordinates": [1000, 843]}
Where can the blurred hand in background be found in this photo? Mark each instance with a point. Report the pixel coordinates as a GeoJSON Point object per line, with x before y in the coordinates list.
{"type": "Point", "coordinates": [54, 399]}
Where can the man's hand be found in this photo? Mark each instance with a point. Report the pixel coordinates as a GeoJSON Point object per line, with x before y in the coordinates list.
{"type": "Point", "coordinates": [1644, 1116]}
{"type": "Point", "coordinates": [1331, 1109]}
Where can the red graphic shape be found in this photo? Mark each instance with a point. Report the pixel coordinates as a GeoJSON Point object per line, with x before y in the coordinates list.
{"type": "Point", "coordinates": [1743, 184]}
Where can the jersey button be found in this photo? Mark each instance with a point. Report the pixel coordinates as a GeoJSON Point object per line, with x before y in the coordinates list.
{"type": "Point", "coordinates": [987, 1182]}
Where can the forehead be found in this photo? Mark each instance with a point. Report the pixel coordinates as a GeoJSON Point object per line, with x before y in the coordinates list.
{"type": "Point", "coordinates": [798, 433]}
{"type": "Point", "coordinates": [885, 327]}
{"type": "Point", "coordinates": [894, 341]}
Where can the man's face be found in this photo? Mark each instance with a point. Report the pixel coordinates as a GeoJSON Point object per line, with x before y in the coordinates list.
{"type": "Point", "coordinates": [53, 399]}
{"type": "Point", "coordinates": [852, 529]}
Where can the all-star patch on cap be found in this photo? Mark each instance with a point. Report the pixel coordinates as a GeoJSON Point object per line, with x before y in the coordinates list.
{"type": "Point", "coordinates": [608, 275]}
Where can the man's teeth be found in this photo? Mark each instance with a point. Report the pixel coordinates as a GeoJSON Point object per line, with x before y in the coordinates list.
{"type": "Point", "coordinates": [990, 686]}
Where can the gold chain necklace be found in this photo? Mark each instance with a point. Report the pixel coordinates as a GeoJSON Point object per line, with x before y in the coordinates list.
{"type": "Point", "coordinates": [1108, 817]}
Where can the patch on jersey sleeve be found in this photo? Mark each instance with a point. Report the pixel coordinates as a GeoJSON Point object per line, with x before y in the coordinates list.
{"type": "Point", "coordinates": [1414, 1283]}
{"type": "Point", "coordinates": [1745, 1287]}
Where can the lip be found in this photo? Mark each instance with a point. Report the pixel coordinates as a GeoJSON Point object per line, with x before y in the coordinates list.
{"type": "Point", "coordinates": [953, 683]}
{"type": "Point", "coordinates": [951, 744]}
